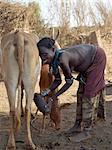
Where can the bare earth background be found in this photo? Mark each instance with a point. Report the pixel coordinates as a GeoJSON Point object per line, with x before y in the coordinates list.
{"type": "Point", "coordinates": [51, 139]}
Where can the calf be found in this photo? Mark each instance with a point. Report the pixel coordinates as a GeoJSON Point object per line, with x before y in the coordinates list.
{"type": "Point", "coordinates": [46, 79]}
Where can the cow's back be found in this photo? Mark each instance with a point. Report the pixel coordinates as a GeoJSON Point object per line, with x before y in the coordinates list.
{"type": "Point", "coordinates": [14, 43]}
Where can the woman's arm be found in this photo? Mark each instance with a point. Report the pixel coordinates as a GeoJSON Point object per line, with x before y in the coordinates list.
{"type": "Point", "coordinates": [68, 78]}
{"type": "Point", "coordinates": [57, 81]}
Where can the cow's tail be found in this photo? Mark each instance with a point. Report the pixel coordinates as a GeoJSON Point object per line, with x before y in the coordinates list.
{"type": "Point", "coordinates": [19, 54]}
{"type": "Point", "coordinates": [19, 41]}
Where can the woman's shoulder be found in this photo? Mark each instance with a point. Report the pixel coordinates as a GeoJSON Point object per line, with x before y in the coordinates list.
{"type": "Point", "coordinates": [64, 57]}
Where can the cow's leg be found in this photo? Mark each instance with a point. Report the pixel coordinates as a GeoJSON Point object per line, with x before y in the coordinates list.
{"type": "Point", "coordinates": [29, 96]}
{"type": "Point", "coordinates": [29, 86]}
{"type": "Point", "coordinates": [11, 92]}
{"type": "Point", "coordinates": [29, 81]}
{"type": "Point", "coordinates": [11, 141]}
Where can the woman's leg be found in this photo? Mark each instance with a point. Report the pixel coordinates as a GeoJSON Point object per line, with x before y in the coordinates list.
{"type": "Point", "coordinates": [77, 125]}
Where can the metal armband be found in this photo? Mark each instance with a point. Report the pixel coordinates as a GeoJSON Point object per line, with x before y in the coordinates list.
{"type": "Point", "coordinates": [69, 81]}
{"type": "Point", "coordinates": [58, 79]}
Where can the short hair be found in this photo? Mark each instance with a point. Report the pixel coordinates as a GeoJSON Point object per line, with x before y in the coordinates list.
{"type": "Point", "coordinates": [46, 42]}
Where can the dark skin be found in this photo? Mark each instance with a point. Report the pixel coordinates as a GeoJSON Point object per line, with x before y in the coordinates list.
{"type": "Point", "coordinates": [77, 58]}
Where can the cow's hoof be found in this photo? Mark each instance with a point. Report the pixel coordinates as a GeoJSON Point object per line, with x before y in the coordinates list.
{"type": "Point", "coordinates": [31, 147]}
{"type": "Point", "coordinates": [57, 126]}
{"type": "Point", "coordinates": [10, 147]}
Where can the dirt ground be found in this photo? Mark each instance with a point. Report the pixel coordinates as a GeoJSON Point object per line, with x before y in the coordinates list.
{"type": "Point", "coordinates": [51, 139]}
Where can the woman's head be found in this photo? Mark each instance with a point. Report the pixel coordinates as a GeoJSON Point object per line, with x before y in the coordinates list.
{"type": "Point", "coordinates": [47, 47]}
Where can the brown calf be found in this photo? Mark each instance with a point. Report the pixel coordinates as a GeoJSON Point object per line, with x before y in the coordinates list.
{"type": "Point", "coordinates": [46, 79]}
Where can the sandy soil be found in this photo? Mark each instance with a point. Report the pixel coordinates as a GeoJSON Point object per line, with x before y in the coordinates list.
{"type": "Point", "coordinates": [51, 139]}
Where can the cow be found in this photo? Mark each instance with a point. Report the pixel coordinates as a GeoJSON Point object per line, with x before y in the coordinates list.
{"type": "Point", "coordinates": [21, 64]}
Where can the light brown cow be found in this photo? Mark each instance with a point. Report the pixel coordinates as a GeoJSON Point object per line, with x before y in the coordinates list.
{"type": "Point", "coordinates": [21, 63]}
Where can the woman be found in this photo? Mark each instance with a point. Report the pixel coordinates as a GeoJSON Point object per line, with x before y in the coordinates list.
{"type": "Point", "coordinates": [89, 61]}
